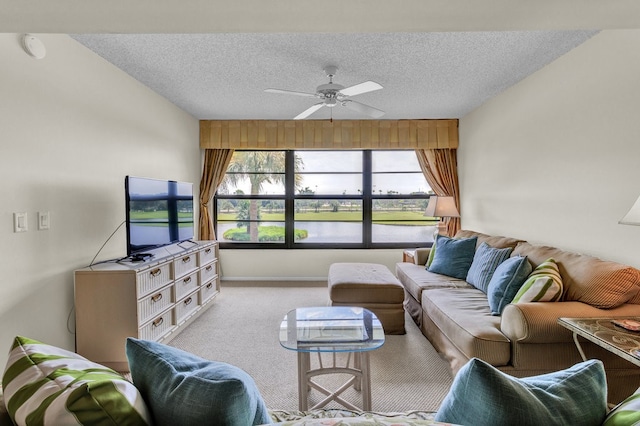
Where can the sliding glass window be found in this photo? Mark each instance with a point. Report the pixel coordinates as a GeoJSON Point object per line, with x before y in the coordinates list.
{"type": "Point", "coordinates": [323, 199]}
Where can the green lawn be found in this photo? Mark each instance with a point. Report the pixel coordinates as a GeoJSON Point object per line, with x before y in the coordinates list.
{"type": "Point", "coordinates": [383, 217]}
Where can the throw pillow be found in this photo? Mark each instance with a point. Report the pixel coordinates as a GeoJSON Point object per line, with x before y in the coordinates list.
{"type": "Point", "coordinates": [453, 256]}
{"type": "Point", "coordinates": [432, 254]}
{"type": "Point", "coordinates": [506, 281]}
{"type": "Point", "coordinates": [483, 395]}
{"type": "Point", "coordinates": [485, 261]}
{"type": "Point", "coordinates": [543, 285]}
{"type": "Point", "coordinates": [46, 385]}
{"type": "Point", "coordinates": [626, 413]}
{"type": "Point", "coordinates": [182, 388]}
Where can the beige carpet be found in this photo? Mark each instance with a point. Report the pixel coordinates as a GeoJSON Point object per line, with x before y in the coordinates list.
{"type": "Point", "coordinates": [241, 328]}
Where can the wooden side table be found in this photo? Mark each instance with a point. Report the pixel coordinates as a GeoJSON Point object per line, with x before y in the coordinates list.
{"type": "Point", "coordinates": [409, 256]}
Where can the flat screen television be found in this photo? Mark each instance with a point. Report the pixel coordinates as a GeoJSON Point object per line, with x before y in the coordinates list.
{"type": "Point", "coordinates": [159, 213]}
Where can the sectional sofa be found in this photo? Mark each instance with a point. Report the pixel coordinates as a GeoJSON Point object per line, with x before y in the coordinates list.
{"type": "Point", "coordinates": [525, 339]}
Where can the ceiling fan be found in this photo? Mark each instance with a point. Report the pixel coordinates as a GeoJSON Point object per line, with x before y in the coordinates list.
{"type": "Point", "coordinates": [333, 94]}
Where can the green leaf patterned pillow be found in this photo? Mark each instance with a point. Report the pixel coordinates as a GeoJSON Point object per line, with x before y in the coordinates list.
{"type": "Point", "coordinates": [46, 385]}
{"type": "Point", "coordinates": [626, 413]}
{"type": "Point", "coordinates": [543, 285]}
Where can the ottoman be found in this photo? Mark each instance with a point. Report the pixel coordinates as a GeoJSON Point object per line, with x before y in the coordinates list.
{"type": "Point", "coordinates": [371, 286]}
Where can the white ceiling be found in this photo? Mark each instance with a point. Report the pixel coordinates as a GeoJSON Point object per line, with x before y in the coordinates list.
{"type": "Point", "coordinates": [435, 58]}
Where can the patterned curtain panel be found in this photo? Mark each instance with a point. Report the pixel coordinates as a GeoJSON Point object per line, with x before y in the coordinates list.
{"type": "Point", "coordinates": [440, 167]}
{"type": "Point", "coordinates": [216, 162]}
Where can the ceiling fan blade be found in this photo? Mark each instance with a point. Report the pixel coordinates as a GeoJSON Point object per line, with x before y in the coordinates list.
{"type": "Point", "coordinates": [307, 112]}
{"type": "Point", "coordinates": [367, 86]}
{"type": "Point", "coordinates": [365, 109]}
{"type": "Point", "coordinates": [291, 92]}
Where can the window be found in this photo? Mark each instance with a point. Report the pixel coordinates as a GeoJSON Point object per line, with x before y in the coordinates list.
{"type": "Point", "coordinates": [323, 199]}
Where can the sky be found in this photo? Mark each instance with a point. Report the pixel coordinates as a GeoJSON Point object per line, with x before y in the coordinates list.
{"type": "Point", "coordinates": [351, 161]}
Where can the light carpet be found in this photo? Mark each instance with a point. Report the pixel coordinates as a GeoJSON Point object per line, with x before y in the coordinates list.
{"type": "Point", "coordinates": [241, 328]}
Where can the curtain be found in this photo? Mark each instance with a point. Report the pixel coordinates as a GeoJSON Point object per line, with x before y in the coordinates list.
{"type": "Point", "coordinates": [215, 166]}
{"type": "Point", "coordinates": [440, 168]}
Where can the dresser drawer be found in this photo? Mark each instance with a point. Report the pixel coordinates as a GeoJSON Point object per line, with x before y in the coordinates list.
{"type": "Point", "coordinates": [152, 279]}
{"type": "Point", "coordinates": [207, 255]}
{"type": "Point", "coordinates": [186, 285]}
{"type": "Point", "coordinates": [158, 327]}
{"type": "Point", "coordinates": [186, 307]}
{"type": "Point", "coordinates": [208, 272]}
{"type": "Point", "coordinates": [184, 265]}
{"type": "Point", "coordinates": [207, 291]}
{"type": "Point", "coordinates": [154, 304]}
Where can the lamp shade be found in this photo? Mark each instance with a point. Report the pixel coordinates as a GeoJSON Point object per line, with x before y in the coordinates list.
{"type": "Point", "coordinates": [441, 207]}
{"type": "Point", "coordinates": [633, 216]}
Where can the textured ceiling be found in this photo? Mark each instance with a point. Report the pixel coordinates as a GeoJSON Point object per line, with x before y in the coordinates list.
{"type": "Point", "coordinates": [424, 75]}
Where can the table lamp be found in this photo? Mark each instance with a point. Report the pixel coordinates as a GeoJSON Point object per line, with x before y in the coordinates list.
{"type": "Point", "coordinates": [441, 207]}
{"type": "Point", "coordinates": [633, 216]}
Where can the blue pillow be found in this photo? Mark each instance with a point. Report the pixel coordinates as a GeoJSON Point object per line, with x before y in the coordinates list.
{"type": "Point", "coordinates": [485, 261]}
{"type": "Point", "coordinates": [506, 281]}
{"type": "Point", "coordinates": [483, 395]}
{"type": "Point", "coordinates": [181, 388]}
{"type": "Point", "coordinates": [453, 256]}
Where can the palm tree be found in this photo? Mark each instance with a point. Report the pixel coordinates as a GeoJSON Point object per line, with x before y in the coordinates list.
{"type": "Point", "coordinates": [259, 167]}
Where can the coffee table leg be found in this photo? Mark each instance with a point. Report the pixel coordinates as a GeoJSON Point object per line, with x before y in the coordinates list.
{"type": "Point", "coordinates": [366, 380]}
{"type": "Point", "coordinates": [303, 380]}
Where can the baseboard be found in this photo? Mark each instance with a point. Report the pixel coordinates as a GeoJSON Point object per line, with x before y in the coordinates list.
{"type": "Point", "coordinates": [273, 282]}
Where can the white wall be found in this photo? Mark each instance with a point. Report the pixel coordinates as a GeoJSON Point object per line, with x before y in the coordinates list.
{"type": "Point", "coordinates": [556, 158]}
{"type": "Point", "coordinates": [71, 127]}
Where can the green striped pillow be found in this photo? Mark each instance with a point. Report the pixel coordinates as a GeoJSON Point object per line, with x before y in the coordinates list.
{"type": "Point", "coordinates": [543, 285]}
{"type": "Point", "coordinates": [46, 385]}
{"type": "Point", "coordinates": [626, 413]}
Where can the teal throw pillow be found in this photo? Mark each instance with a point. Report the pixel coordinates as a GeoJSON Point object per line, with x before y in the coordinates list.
{"type": "Point", "coordinates": [485, 261]}
{"type": "Point", "coordinates": [506, 281]}
{"type": "Point", "coordinates": [543, 285]}
{"type": "Point", "coordinates": [453, 256]}
{"type": "Point", "coordinates": [483, 395]}
{"type": "Point", "coordinates": [626, 413]}
{"type": "Point", "coordinates": [47, 385]}
{"type": "Point", "coordinates": [183, 389]}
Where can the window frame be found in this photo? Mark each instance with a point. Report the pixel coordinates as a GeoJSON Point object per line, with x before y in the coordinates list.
{"type": "Point", "coordinates": [367, 196]}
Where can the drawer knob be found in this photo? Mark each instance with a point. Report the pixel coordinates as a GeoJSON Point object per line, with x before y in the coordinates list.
{"type": "Point", "coordinates": [156, 272]}
{"type": "Point", "coordinates": [208, 268]}
{"type": "Point", "coordinates": [158, 322]}
{"type": "Point", "coordinates": [188, 301]}
{"type": "Point", "coordinates": [156, 298]}
{"type": "Point", "coordinates": [186, 280]}
{"type": "Point", "coordinates": [186, 259]}
{"type": "Point", "coordinates": [209, 286]}
{"type": "Point", "coordinates": [207, 251]}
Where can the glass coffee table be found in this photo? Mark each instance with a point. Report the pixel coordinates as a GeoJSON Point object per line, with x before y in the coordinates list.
{"type": "Point", "coordinates": [332, 329]}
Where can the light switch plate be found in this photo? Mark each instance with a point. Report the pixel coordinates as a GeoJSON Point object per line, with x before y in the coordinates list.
{"type": "Point", "coordinates": [20, 222]}
{"type": "Point", "coordinates": [44, 221]}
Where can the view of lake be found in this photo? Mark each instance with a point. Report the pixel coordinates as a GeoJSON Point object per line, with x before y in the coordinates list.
{"type": "Point", "coordinates": [350, 232]}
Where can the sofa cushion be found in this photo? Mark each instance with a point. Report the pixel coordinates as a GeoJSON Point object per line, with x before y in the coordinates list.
{"type": "Point", "coordinates": [182, 388]}
{"type": "Point", "coordinates": [463, 315]}
{"type": "Point", "coordinates": [586, 279]}
{"type": "Point", "coordinates": [47, 385]}
{"type": "Point", "coordinates": [506, 281]}
{"type": "Point", "coordinates": [482, 395]}
{"type": "Point", "coordinates": [453, 256]}
{"type": "Point", "coordinates": [626, 413]}
{"type": "Point", "coordinates": [414, 278]}
{"type": "Point", "coordinates": [485, 262]}
{"type": "Point", "coordinates": [543, 285]}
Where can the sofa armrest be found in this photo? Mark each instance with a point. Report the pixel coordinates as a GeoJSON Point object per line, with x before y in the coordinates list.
{"type": "Point", "coordinates": [537, 322]}
{"type": "Point", "coordinates": [421, 255]}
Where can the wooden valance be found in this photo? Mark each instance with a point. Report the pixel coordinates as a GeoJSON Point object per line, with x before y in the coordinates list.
{"type": "Point", "coordinates": [326, 134]}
